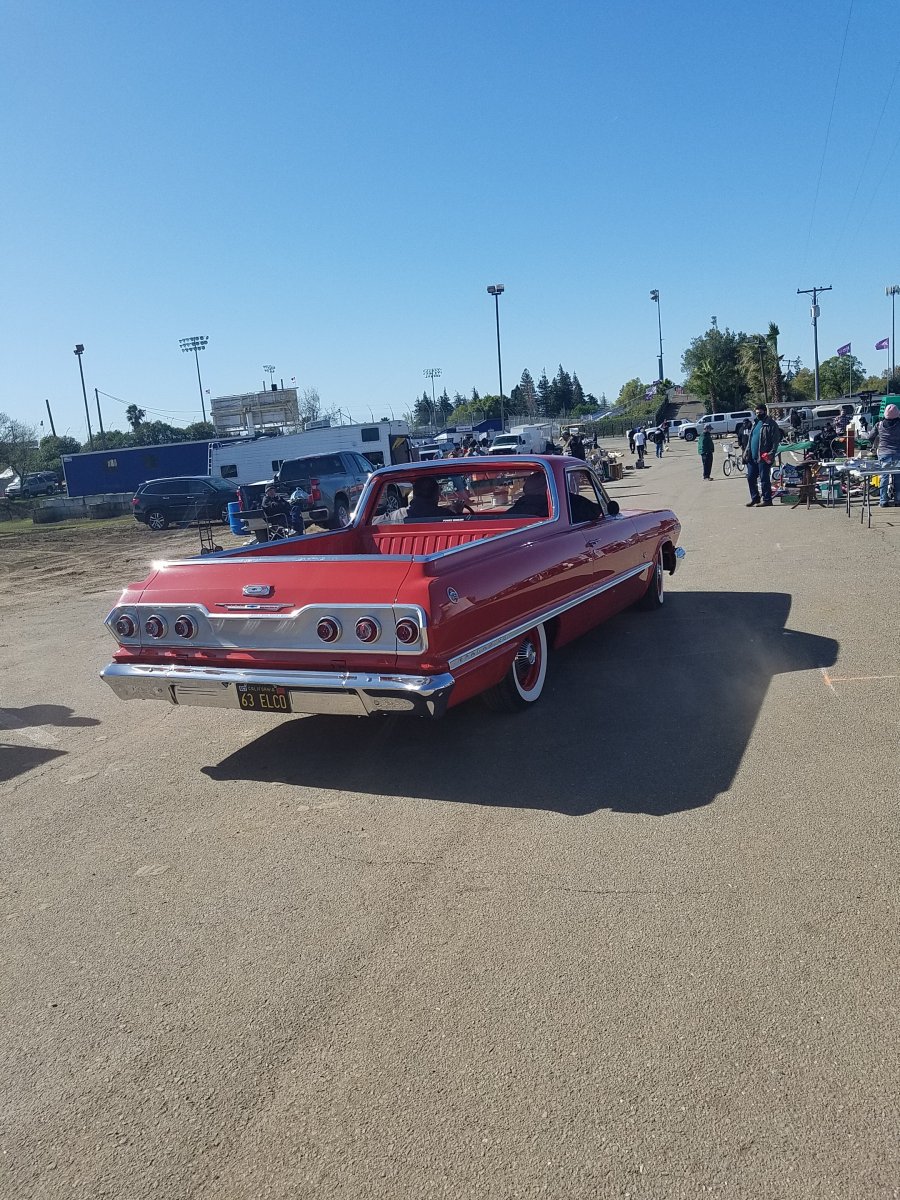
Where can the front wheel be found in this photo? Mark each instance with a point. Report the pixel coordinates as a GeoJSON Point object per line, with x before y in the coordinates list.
{"type": "Point", "coordinates": [726, 467]}
{"type": "Point", "coordinates": [690, 436]}
{"type": "Point", "coordinates": [524, 681]}
{"type": "Point", "coordinates": [655, 594]}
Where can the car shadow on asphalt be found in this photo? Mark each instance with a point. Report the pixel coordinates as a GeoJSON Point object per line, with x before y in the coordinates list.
{"type": "Point", "coordinates": [647, 713]}
{"type": "Point", "coordinates": [16, 760]}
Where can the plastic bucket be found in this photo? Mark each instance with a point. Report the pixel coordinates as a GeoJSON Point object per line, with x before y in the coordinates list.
{"type": "Point", "coordinates": [235, 523]}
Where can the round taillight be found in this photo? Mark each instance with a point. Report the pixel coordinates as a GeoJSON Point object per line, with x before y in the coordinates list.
{"type": "Point", "coordinates": [155, 627]}
{"type": "Point", "coordinates": [328, 629]}
{"type": "Point", "coordinates": [125, 626]}
{"type": "Point", "coordinates": [367, 629]}
{"type": "Point", "coordinates": [185, 627]}
{"type": "Point", "coordinates": [407, 631]}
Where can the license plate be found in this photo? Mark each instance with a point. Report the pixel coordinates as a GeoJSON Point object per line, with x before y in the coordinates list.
{"type": "Point", "coordinates": [264, 697]}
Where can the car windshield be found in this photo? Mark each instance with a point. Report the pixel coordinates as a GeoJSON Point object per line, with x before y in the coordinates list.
{"type": "Point", "coordinates": [458, 494]}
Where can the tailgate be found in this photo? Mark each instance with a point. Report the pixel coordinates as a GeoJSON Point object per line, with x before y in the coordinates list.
{"type": "Point", "coordinates": [266, 605]}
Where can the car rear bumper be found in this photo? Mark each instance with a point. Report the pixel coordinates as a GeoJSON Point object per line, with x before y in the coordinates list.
{"type": "Point", "coordinates": [329, 692]}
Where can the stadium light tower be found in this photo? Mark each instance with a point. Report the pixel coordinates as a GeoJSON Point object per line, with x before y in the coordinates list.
{"type": "Point", "coordinates": [654, 296]}
{"type": "Point", "coordinates": [496, 290]}
{"type": "Point", "coordinates": [892, 291]}
{"type": "Point", "coordinates": [79, 350]}
{"type": "Point", "coordinates": [196, 344]}
{"type": "Point", "coordinates": [432, 373]}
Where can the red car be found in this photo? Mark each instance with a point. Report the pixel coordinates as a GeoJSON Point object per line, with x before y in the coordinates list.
{"type": "Point", "coordinates": [466, 590]}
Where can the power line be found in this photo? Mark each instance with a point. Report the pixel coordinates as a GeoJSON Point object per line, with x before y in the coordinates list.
{"type": "Point", "coordinates": [180, 413]}
{"type": "Point", "coordinates": [812, 215]}
{"type": "Point", "coordinates": [868, 156]}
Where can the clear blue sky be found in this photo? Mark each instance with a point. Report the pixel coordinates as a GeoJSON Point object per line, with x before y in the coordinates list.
{"type": "Point", "coordinates": [330, 187]}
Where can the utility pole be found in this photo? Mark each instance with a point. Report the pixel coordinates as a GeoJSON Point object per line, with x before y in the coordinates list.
{"type": "Point", "coordinates": [815, 317]}
{"type": "Point", "coordinates": [79, 350]}
{"type": "Point", "coordinates": [50, 415]}
{"type": "Point", "coordinates": [100, 420]}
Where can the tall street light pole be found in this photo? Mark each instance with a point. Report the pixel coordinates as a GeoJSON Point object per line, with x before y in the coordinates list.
{"type": "Point", "coordinates": [196, 344]}
{"type": "Point", "coordinates": [496, 290]}
{"type": "Point", "coordinates": [79, 350]}
{"type": "Point", "coordinates": [892, 291]}
{"type": "Point", "coordinates": [654, 296]}
{"type": "Point", "coordinates": [432, 373]}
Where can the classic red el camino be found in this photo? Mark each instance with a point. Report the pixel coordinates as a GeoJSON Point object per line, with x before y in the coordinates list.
{"type": "Point", "coordinates": [464, 591]}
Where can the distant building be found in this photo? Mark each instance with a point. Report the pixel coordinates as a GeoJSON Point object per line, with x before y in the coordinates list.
{"type": "Point", "coordinates": [255, 412]}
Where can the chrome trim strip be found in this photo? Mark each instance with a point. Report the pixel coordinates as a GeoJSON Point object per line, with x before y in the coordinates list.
{"type": "Point", "coordinates": [548, 615]}
{"type": "Point", "coordinates": [316, 691]}
{"type": "Point", "coordinates": [222, 621]}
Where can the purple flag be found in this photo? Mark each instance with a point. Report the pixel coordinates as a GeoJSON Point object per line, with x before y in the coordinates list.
{"type": "Point", "coordinates": [842, 350]}
{"type": "Point", "coordinates": [883, 344]}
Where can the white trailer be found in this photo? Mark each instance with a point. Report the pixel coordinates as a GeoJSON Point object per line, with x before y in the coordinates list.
{"type": "Point", "coordinates": [249, 460]}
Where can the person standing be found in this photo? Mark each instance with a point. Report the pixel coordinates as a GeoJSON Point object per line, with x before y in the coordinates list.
{"type": "Point", "coordinates": [660, 439]}
{"type": "Point", "coordinates": [631, 441]}
{"type": "Point", "coordinates": [640, 442]}
{"type": "Point", "coordinates": [888, 433]}
{"type": "Point", "coordinates": [706, 449]}
{"type": "Point", "coordinates": [762, 446]}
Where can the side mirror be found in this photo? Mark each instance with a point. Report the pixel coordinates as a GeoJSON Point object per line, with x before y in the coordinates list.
{"type": "Point", "coordinates": [612, 508]}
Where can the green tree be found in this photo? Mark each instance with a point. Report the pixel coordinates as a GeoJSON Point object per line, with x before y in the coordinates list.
{"type": "Point", "coordinates": [564, 392]}
{"type": "Point", "coordinates": [545, 400]}
{"type": "Point", "coordinates": [802, 386]}
{"type": "Point", "coordinates": [445, 405]}
{"type": "Point", "coordinates": [528, 394]}
{"type": "Point", "coordinates": [422, 410]}
{"type": "Point", "coordinates": [134, 416]}
{"type": "Point", "coordinates": [839, 376]}
{"type": "Point", "coordinates": [632, 394]}
{"type": "Point", "coordinates": [578, 397]}
{"type": "Point", "coordinates": [713, 361]}
{"type": "Point", "coordinates": [200, 431]}
{"type": "Point", "coordinates": [50, 451]}
{"type": "Point", "coordinates": [18, 445]}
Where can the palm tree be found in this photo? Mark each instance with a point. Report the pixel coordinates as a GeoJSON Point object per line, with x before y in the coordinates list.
{"type": "Point", "coordinates": [708, 380]}
{"type": "Point", "coordinates": [777, 377]}
{"type": "Point", "coordinates": [134, 416]}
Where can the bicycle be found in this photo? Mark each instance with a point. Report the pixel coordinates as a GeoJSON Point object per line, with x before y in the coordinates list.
{"type": "Point", "coordinates": [734, 459]}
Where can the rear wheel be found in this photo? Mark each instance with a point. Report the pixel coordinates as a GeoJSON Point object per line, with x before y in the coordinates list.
{"type": "Point", "coordinates": [341, 517]}
{"type": "Point", "coordinates": [392, 500]}
{"type": "Point", "coordinates": [157, 520]}
{"type": "Point", "coordinates": [655, 593]}
{"type": "Point", "coordinates": [523, 683]}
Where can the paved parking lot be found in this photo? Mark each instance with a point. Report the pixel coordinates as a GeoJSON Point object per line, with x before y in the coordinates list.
{"type": "Point", "coordinates": [641, 941]}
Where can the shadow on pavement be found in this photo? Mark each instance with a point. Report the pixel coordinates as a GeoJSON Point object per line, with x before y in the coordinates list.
{"type": "Point", "coordinates": [16, 760]}
{"type": "Point", "coordinates": [43, 714]}
{"type": "Point", "coordinates": [649, 713]}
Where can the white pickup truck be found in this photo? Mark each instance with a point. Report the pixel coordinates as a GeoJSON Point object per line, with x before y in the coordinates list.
{"type": "Point", "coordinates": [718, 424]}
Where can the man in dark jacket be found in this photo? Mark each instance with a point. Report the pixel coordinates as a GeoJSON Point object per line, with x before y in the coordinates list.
{"type": "Point", "coordinates": [888, 439]}
{"type": "Point", "coordinates": [762, 446]}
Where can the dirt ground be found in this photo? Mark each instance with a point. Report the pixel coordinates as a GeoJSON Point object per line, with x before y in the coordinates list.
{"type": "Point", "coordinates": [85, 556]}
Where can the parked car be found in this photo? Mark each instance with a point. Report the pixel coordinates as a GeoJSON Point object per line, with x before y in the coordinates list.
{"type": "Point", "coordinates": [35, 483]}
{"type": "Point", "coordinates": [334, 483]}
{"type": "Point", "coordinates": [466, 591]}
{"type": "Point", "coordinates": [182, 500]}
{"type": "Point", "coordinates": [719, 424]}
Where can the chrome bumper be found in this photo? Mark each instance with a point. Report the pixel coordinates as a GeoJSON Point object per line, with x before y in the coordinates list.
{"type": "Point", "coordinates": [329, 692]}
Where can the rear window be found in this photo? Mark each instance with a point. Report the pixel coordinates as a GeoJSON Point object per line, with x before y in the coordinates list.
{"type": "Point", "coordinates": [322, 464]}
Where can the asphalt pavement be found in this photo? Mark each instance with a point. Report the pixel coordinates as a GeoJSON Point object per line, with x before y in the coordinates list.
{"type": "Point", "coordinates": [638, 942]}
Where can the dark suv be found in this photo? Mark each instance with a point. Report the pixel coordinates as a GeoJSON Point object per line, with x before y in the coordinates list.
{"type": "Point", "coordinates": [159, 503]}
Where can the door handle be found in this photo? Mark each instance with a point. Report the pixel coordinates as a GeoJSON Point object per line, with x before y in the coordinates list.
{"type": "Point", "coordinates": [595, 542]}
